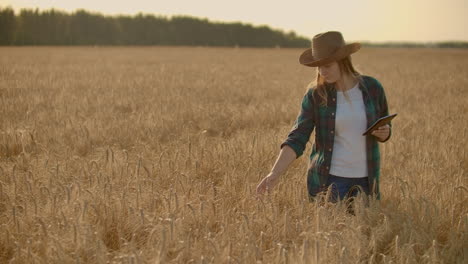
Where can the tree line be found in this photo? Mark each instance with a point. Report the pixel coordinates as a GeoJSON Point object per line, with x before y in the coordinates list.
{"type": "Point", "coordinates": [53, 27]}
{"type": "Point", "coordinates": [441, 44]}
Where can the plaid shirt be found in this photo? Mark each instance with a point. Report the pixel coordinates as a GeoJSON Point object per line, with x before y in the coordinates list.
{"type": "Point", "coordinates": [322, 118]}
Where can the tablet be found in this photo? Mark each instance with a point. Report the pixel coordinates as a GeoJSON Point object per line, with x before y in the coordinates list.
{"type": "Point", "coordinates": [380, 122]}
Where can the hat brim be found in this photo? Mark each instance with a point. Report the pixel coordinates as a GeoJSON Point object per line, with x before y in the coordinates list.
{"type": "Point", "coordinates": [307, 59]}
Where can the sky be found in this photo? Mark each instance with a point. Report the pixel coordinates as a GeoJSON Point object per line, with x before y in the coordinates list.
{"type": "Point", "coordinates": [358, 20]}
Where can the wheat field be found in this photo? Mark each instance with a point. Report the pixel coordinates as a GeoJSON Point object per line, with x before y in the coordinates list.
{"type": "Point", "coordinates": [153, 154]}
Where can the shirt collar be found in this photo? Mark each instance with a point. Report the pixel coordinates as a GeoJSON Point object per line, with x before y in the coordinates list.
{"type": "Point", "coordinates": [362, 86]}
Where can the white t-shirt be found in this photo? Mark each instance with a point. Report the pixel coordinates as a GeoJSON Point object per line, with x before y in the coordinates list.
{"type": "Point", "coordinates": [349, 148]}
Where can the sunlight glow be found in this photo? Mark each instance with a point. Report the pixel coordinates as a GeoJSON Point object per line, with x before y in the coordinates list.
{"type": "Point", "coordinates": [358, 20]}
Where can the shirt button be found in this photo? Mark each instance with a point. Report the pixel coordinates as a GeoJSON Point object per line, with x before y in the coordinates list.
{"type": "Point", "coordinates": [333, 114]}
{"type": "Point", "coordinates": [329, 149]}
{"type": "Point", "coordinates": [332, 132]}
{"type": "Point", "coordinates": [327, 167]}
{"type": "Point", "coordinates": [333, 99]}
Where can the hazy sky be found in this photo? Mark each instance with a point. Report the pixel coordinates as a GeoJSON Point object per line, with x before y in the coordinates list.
{"type": "Point", "coordinates": [358, 20]}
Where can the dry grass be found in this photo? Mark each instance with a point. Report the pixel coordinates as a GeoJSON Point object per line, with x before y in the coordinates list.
{"type": "Point", "coordinates": [139, 155]}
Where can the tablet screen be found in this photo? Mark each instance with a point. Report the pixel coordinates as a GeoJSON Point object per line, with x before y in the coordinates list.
{"type": "Point", "coordinates": [380, 122]}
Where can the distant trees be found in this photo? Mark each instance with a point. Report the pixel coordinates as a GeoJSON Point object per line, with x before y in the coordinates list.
{"type": "Point", "coordinates": [444, 44]}
{"type": "Point", "coordinates": [52, 27]}
{"type": "Point", "coordinates": [7, 26]}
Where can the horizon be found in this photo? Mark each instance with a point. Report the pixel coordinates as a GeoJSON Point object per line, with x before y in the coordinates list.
{"type": "Point", "coordinates": [387, 27]}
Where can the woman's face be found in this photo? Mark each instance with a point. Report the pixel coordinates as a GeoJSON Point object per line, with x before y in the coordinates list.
{"type": "Point", "coordinates": [330, 72]}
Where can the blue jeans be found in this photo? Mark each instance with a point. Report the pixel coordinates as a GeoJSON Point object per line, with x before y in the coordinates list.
{"type": "Point", "coordinates": [343, 188]}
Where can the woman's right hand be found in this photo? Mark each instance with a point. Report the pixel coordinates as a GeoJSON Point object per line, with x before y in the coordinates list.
{"type": "Point", "coordinates": [267, 183]}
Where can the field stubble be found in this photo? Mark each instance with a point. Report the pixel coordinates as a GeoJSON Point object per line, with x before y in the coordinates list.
{"type": "Point", "coordinates": [153, 154]}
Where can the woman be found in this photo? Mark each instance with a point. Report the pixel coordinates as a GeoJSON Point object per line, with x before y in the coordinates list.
{"type": "Point", "coordinates": [340, 106]}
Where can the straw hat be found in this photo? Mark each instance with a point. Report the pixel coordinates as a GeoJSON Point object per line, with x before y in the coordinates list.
{"type": "Point", "coordinates": [327, 47]}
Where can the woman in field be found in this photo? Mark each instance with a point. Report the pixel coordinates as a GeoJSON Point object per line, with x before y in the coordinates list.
{"type": "Point", "coordinates": [340, 106]}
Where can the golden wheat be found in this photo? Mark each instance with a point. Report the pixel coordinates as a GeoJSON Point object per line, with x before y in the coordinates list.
{"type": "Point", "coordinates": [144, 155]}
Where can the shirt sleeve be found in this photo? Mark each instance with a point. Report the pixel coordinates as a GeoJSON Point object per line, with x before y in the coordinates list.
{"type": "Point", "coordinates": [303, 126]}
{"type": "Point", "coordinates": [384, 108]}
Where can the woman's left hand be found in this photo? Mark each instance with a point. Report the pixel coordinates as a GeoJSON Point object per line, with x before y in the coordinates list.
{"type": "Point", "coordinates": [382, 132]}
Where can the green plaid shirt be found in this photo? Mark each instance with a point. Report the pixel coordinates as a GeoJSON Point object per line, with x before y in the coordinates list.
{"type": "Point", "coordinates": [322, 118]}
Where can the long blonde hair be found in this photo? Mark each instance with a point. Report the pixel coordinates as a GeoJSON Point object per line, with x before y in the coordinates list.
{"type": "Point", "coordinates": [346, 67]}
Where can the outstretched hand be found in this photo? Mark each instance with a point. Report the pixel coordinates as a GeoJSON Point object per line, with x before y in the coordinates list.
{"type": "Point", "coordinates": [267, 184]}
